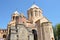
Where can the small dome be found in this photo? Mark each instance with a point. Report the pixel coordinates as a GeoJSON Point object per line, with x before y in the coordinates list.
{"type": "Point", "coordinates": [34, 6]}
{"type": "Point", "coordinates": [16, 13]}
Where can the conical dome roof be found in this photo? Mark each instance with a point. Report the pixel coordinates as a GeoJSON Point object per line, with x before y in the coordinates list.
{"type": "Point", "coordinates": [16, 13]}
{"type": "Point", "coordinates": [34, 5]}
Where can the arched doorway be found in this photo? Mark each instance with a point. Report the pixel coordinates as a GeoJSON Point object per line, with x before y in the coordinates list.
{"type": "Point", "coordinates": [4, 36]}
{"type": "Point", "coordinates": [35, 34]}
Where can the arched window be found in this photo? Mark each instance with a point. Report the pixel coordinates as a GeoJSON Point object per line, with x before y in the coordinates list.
{"type": "Point", "coordinates": [31, 13]}
{"type": "Point", "coordinates": [4, 36]}
{"type": "Point", "coordinates": [17, 17]}
{"type": "Point", "coordinates": [13, 17]}
{"type": "Point", "coordinates": [35, 13]}
{"type": "Point", "coordinates": [39, 13]}
{"type": "Point", "coordinates": [35, 34]}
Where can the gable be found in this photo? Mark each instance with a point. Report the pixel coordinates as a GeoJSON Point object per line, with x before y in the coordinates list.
{"type": "Point", "coordinates": [44, 19]}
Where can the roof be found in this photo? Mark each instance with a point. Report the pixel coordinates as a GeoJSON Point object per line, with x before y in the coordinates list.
{"type": "Point", "coordinates": [16, 12]}
{"type": "Point", "coordinates": [22, 15]}
{"type": "Point", "coordinates": [34, 5]}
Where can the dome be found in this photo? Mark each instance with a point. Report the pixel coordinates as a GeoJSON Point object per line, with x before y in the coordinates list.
{"type": "Point", "coordinates": [16, 13]}
{"type": "Point", "coordinates": [34, 6]}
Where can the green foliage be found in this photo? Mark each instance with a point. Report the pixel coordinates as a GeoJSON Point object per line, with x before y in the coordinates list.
{"type": "Point", "coordinates": [58, 31]}
{"type": "Point", "coordinates": [54, 30]}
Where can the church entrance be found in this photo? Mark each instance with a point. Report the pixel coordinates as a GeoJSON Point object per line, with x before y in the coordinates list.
{"type": "Point", "coordinates": [35, 34]}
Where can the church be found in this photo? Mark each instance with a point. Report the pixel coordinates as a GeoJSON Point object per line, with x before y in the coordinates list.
{"type": "Point", "coordinates": [34, 27]}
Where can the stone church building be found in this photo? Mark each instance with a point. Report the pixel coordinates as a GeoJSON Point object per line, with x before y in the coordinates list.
{"type": "Point", "coordinates": [35, 27]}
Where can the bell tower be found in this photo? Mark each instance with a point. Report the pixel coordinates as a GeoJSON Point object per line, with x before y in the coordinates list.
{"type": "Point", "coordinates": [34, 13]}
{"type": "Point", "coordinates": [35, 16]}
{"type": "Point", "coordinates": [13, 20]}
{"type": "Point", "coordinates": [15, 15]}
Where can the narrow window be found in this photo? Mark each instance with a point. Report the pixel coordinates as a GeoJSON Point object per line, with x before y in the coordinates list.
{"type": "Point", "coordinates": [17, 17]}
{"type": "Point", "coordinates": [31, 14]}
{"type": "Point", "coordinates": [35, 13]}
{"type": "Point", "coordinates": [13, 17]}
{"type": "Point", "coordinates": [39, 13]}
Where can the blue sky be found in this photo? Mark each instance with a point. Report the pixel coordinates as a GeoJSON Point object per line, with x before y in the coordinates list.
{"type": "Point", "coordinates": [51, 9]}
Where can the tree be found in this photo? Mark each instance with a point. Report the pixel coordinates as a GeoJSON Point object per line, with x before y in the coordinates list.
{"type": "Point", "coordinates": [58, 31]}
{"type": "Point", "coordinates": [54, 30]}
